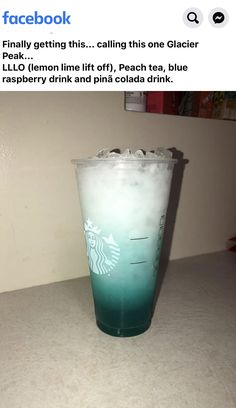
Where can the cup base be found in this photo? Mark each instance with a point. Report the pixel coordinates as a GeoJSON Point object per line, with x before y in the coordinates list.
{"type": "Point", "coordinates": [123, 332]}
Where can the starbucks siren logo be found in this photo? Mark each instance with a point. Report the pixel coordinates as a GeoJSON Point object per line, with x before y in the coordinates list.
{"type": "Point", "coordinates": [103, 252]}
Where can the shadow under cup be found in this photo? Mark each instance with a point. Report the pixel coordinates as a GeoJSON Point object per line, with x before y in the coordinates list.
{"type": "Point", "coordinates": [124, 203]}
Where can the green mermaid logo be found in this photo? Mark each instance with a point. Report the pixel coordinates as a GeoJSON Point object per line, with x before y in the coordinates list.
{"type": "Point", "coordinates": [103, 252]}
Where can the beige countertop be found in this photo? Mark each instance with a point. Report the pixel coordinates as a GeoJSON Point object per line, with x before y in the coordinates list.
{"type": "Point", "coordinates": [52, 355]}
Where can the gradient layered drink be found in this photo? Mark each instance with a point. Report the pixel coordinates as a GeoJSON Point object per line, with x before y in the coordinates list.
{"type": "Point", "coordinates": [124, 200]}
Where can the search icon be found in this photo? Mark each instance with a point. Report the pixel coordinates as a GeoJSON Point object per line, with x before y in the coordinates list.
{"type": "Point", "coordinates": [192, 17]}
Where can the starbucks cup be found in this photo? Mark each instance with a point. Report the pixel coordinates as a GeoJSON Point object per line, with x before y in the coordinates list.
{"type": "Point", "coordinates": [124, 202]}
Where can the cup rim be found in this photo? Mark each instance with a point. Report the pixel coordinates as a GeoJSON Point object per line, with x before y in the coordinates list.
{"type": "Point", "coordinates": [124, 160]}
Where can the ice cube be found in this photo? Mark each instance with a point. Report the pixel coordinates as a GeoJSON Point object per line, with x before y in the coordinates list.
{"type": "Point", "coordinates": [104, 153]}
{"type": "Point", "coordinates": [163, 153]}
{"type": "Point", "coordinates": [139, 154]}
{"type": "Point", "coordinates": [151, 155]}
{"type": "Point", "coordinates": [126, 153]}
{"type": "Point", "coordinates": [114, 155]}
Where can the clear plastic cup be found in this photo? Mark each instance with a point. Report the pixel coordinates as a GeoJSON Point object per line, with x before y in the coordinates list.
{"type": "Point", "coordinates": [124, 203]}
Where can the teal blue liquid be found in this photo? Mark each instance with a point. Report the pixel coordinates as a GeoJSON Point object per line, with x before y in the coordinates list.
{"type": "Point", "coordinates": [122, 321]}
{"type": "Point", "coordinates": [123, 299]}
